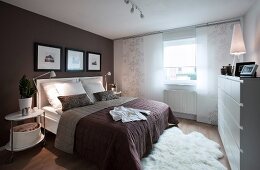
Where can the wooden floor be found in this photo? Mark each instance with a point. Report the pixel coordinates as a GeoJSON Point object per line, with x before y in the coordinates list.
{"type": "Point", "coordinates": [50, 158]}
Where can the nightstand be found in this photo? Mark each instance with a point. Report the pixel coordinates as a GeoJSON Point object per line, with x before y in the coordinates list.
{"type": "Point", "coordinates": [22, 140]}
{"type": "Point", "coordinates": [118, 93]}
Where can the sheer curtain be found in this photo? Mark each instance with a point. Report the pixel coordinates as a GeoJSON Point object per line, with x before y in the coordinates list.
{"type": "Point", "coordinates": [138, 66]}
{"type": "Point", "coordinates": [213, 45]}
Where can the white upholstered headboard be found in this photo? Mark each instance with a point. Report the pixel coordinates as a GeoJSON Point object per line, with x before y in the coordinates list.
{"type": "Point", "coordinates": [41, 98]}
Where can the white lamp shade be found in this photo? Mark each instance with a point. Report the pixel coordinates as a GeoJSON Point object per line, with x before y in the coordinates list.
{"type": "Point", "coordinates": [52, 74]}
{"type": "Point", "coordinates": [237, 43]}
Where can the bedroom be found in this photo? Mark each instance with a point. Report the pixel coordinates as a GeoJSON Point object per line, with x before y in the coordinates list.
{"type": "Point", "coordinates": [126, 43]}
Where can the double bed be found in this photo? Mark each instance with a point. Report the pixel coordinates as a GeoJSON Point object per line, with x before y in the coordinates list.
{"type": "Point", "coordinates": [91, 132]}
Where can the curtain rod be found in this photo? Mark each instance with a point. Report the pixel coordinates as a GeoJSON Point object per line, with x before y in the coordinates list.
{"type": "Point", "coordinates": [192, 26]}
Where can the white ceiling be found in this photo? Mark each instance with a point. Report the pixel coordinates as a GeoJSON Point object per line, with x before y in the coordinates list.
{"type": "Point", "coordinates": [112, 18]}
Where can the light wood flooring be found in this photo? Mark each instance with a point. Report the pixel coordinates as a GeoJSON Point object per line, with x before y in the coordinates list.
{"type": "Point", "coordinates": [50, 158]}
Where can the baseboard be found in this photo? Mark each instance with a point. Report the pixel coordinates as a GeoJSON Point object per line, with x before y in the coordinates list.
{"type": "Point", "coordinates": [185, 116]}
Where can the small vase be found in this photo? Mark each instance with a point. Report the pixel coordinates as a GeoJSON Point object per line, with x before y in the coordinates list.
{"type": "Point", "coordinates": [224, 70]}
{"type": "Point", "coordinates": [25, 105]}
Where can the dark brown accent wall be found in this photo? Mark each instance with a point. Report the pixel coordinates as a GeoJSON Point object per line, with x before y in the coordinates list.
{"type": "Point", "coordinates": [19, 29]}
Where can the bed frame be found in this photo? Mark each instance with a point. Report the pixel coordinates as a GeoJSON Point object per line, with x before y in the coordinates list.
{"type": "Point", "coordinates": [41, 98]}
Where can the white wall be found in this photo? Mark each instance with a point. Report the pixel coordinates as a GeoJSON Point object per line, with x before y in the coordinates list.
{"type": "Point", "coordinates": [252, 34]}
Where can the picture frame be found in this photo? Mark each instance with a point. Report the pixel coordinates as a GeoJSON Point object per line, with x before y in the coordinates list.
{"type": "Point", "coordinates": [249, 70]}
{"type": "Point", "coordinates": [47, 57]}
{"type": "Point", "coordinates": [75, 60]}
{"type": "Point", "coordinates": [239, 67]}
{"type": "Point", "coordinates": [93, 61]}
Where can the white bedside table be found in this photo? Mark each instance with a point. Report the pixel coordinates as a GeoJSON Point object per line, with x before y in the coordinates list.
{"type": "Point", "coordinates": [17, 116]}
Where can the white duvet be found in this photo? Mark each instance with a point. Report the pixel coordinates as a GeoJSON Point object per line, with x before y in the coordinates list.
{"type": "Point", "coordinates": [128, 114]}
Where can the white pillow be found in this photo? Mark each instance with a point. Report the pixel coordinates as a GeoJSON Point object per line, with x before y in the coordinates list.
{"type": "Point", "coordinates": [71, 88]}
{"type": "Point", "coordinates": [93, 87]}
{"type": "Point", "coordinates": [52, 94]}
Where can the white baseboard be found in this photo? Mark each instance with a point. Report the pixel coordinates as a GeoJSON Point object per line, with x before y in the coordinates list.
{"type": "Point", "coordinates": [185, 115]}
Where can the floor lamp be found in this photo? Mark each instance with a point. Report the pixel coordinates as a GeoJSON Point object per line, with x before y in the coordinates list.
{"type": "Point", "coordinates": [237, 44]}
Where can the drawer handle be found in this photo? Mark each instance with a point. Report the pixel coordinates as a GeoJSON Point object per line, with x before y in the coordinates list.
{"type": "Point", "coordinates": [241, 127]}
{"type": "Point", "coordinates": [241, 151]}
{"type": "Point", "coordinates": [241, 104]}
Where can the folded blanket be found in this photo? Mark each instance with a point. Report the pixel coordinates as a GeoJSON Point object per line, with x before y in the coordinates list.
{"type": "Point", "coordinates": [128, 114]}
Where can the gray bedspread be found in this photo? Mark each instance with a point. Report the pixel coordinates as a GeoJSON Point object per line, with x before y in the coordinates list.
{"type": "Point", "coordinates": [69, 119]}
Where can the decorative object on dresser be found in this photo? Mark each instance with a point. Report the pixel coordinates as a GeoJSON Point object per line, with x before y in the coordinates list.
{"type": "Point", "coordinates": [108, 74]}
{"type": "Point", "coordinates": [223, 70]}
{"type": "Point", "coordinates": [27, 90]}
{"type": "Point", "coordinates": [94, 61]}
{"type": "Point", "coordinates": [26, 135]}
{"type": "Point", "coordinates": [237, 44]}
{"type": "Point", "coordinates": [249, 70]}
{"type": "Point", "coordinates": [229, 69]}
{"type": "Point", "coordinates": [238, 120]}
{"type": "Point", "coordinates": [239, 67]}
{"type": "Point", "coordinates": [75, 60]}
{"type": "Point", "coordinates": [47, 57]}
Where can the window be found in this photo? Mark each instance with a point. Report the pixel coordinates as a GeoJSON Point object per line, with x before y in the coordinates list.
{"type": "Point", "coordinates": [180, 61]}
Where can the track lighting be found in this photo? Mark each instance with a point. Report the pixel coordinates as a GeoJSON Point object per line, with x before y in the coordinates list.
{"type": "Point", "coordinates": [134, 6]}
{"type": "Point", "coordinates": [141, 15]}
{"type": "Point", "coordinates": [132, 9]}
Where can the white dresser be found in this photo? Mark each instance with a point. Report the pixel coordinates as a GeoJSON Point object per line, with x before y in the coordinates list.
{"type": "Point", "coordinates": [239, 120]}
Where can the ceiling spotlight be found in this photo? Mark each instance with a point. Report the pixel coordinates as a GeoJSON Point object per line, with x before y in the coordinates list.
{"type": "Point", "coordinates": [132, 9]}
{"type": "Point", "coordinates": [141, 15]}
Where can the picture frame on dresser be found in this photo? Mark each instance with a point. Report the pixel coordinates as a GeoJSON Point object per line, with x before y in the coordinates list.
{"type": "Point", "coordinates": [75, 60]}
{"type": "Point", "coordinates": [249, 70]}
{"type": "Point", "coordinates": [47, 57]}
{"type": "Point", "coordinates": [239, 67]}
{"type": "Point", "coordinates": [93, 61]}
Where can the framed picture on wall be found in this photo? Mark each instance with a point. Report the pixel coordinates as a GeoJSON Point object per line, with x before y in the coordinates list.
{"type": "Point", "coordinates": [94, 61]}
{"type": "Point", "coordinates": [47, 57]}
{"type": "Point", "coordinates": [75, 60]}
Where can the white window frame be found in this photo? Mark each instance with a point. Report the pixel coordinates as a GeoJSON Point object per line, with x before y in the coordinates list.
{"type": "Point", "coordinates": [180, 82]}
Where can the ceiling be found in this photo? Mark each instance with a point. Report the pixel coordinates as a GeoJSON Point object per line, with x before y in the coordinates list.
{"type": "Point", "coordinates": [112, 18]}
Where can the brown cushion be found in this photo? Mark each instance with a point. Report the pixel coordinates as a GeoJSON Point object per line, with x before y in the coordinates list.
{"type": "Point", "coordinates": [72, 101]}
{"type": "Point", "coordinates": [105, 95]}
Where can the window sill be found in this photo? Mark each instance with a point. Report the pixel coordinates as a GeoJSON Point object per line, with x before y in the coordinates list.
{"type": "Point", "coordinates": [181, 83]}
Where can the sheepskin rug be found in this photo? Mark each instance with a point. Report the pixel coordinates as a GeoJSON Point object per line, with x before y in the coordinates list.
{"type": "Point", "coordinates": [178, 151]}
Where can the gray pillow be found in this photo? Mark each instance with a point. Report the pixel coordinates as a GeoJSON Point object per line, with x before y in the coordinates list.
{"type": "Point", "coordinates": [105, 95]}
{"type": "Point", "coordinates": [93, 87]}
{"type": "Point", "coordinates": [72, 101]}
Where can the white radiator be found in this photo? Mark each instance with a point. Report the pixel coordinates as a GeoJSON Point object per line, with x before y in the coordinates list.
{"type": "Point", "coordinates": [181, 101]}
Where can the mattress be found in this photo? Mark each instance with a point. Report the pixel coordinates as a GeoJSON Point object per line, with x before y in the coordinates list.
{"type": "Point", "coordinates": [50, 112]}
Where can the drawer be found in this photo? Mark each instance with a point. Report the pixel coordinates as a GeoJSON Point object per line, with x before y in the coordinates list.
{"type": "Point", "coordinates": [221, 82]}
{"type": "Point", "coordinates": [227, 86]}
{"type": "Point", "coordinates": [235, 91]}
{"type": "Point", "coordinates": [232, 126]}
{"type": "Point", "coordinates": [232, 150]}
{"type": "Point", "coordinates": [234, 109]}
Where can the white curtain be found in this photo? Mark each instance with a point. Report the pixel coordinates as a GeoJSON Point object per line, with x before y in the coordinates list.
{"type": "Point", "coordinates": [213, 45]}
{"type": "Point", "coordinates": [138, 66]}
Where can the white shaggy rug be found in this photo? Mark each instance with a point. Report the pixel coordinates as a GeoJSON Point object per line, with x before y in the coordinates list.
{"type": "Point", "coordinates": [178, 151]}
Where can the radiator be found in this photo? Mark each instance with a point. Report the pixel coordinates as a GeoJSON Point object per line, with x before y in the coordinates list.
{"type": "Point", "coordinates": [181, 101]}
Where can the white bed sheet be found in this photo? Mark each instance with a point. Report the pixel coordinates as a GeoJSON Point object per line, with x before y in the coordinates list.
{"type": "Point", "coordinates": [50, 112]}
